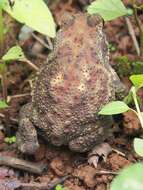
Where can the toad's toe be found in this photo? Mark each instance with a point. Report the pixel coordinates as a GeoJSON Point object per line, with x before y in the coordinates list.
{"type": "Point", "coordinates": [99, 151]}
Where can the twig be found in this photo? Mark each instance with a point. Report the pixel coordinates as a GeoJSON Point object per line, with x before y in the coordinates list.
{"type": "Point", "coordinates": [41, 41]}
{"type": "Point", "coordinates": [132, 34]}
{"type": "Point", "coordinates": [106, 172]}
{"type": "Point", "coordinates": [1, 31]}
{"type": "Point", "coordinates": [118, 152]}
{"type": "Point", "coordinates": [33, 66]}
{"type": "Point", "coordinates": [22, 164]}
{"type": "Point", "coordinates": [4, 81]}
{"type": "Point", "coordinates": [45, 186]}
{"type": "Point", "coordinates": [139, 24]}
{"type": "Point", "coordinates": [49, 42]}
{"type": "Point", "coordinates": [17, 96]}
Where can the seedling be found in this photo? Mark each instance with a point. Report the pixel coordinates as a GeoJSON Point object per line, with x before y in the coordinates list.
{"type": "Point", "coordinates": [113, 9]}
{"type": "Point", "coordinates": [126, 67]}
{"type": "Point", "coordinates": [126, 179]}
{"type": "Point", "coordinates": [24, 11]}
{"type": "Point", "coordinates": [14, 53]}
{"type": "Point", "coordinates": [10, 140]}
{"type": "Point", "coordinates": [3, 104]}
{"type": "Point", "coordinates": [117, 107]}
{"type": "Point", "coordinates": [112, 47]}
{"type": "Point", "coordinates": [60, 187]}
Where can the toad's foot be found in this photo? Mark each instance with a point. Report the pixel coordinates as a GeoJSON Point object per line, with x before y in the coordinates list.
{"type": "Point", "coordinates": [26, 136]}
{"type": "Point", "coordinates": [102, 150]}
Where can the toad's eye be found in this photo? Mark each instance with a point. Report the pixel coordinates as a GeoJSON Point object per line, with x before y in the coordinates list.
{"type": "Point", "coordinates": [11, 3]}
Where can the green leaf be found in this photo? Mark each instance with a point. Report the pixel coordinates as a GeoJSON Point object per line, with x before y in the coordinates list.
{"type": "Point", "coordinates": [137, 80]}
{"type": "Point", "coordinates": [129, 98]}
{"type": "Point", "coordinates": [59, 187]}
{"type": "Point", "coordinates": [13, 139]}
{"type": "Point", "coordinates": [130, 11]}
{"type": "Point", "coordinates": [10, 140]}
{"type": "Point", "coordinates": [2, 68]}
{"type": "Point", "coordinates": [115, 107]}
{"type": "Point", "coordinates": [14, 53]}
{"type": "Point", "coordinates": [130, 178]}
{"type": "Point", "coordinates": [141, 6]}
{"type": "Point", "coordinates": [6, 139]}
{"type": "Point", "coordinates": [33, 13]}
{"type": "Point", "coordinates": [138, 146]}
{"type": "Point", "coordinates": [3, 104]}
{"type": "Point", "coordinates": [108, 9]}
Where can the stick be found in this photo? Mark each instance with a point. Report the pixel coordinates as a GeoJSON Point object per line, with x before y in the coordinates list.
{"type": "Point", "coordinates": [32, 65]}
{"type": "Point", "coordinates": [22, 164]}
{"type": "Point", "coordinates": [133, 36]}
{"type": "Point", "coordinates": [118, 152]}
{"type": "Point", "coordinates": [17, 96]}
{"type": "Point", "coordinates": [139, 24]}
{"type": "Point", "coordinates": [41, 41]}
{"type": "Point", "coordinates": [45, 186]}
{"type": "Point", "coordinates": [106, 172]}
{"type": "Point", "coordinates": [14, 184]}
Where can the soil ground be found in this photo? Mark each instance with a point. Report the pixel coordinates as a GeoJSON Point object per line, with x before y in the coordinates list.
{"type": "Point", "coordinates": [61, 162]}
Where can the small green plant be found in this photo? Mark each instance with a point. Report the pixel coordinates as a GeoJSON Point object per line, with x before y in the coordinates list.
{"type": "Point", "coordinates": [117, 107]}
{"type": "Point", "coordinates": [113, 9]}
{"type": "Point", "coordinates": [24, 11]}
{"type": "Point", "coordinates": [14, 53]}
{"type": "Point", "coordinates": [10, 140]}
{"type": "Point", "coordinates": [60, 187]}
{"type": "Point", "coordinates": [112, 47]}
{"type": "Point", "coordinates": [3, 104]}
{"type": "Point", "coordinates": [126, 67]}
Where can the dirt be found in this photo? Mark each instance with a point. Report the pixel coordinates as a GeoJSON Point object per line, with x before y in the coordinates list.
{"type": "Point", "coordinates": [61, 161]}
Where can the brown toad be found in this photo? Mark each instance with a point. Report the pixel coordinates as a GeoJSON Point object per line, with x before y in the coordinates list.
{"type": "Point", "coordinates": [71, 89]}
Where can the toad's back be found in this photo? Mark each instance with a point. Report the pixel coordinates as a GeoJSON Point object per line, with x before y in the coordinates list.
{"type": "Point", "coordinates": [77, 82]}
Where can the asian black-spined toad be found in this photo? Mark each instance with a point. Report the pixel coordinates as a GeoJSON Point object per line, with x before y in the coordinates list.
{"type": "Point", "coordinates": [70, 90]}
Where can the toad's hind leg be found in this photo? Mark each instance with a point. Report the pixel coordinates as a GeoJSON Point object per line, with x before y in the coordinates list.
{"type": "Point", "coordinates": [26, 136]}
{"type": "Point", "coordinates": [99, 151]}
{"type": "Point", "coordinates": [92, 140]}
{"type": "Point", "coordinates": [96, 149]}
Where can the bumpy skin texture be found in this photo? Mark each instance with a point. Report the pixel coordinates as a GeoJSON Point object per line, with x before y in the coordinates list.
{"type": "Point", "coordinates": [71, 89]}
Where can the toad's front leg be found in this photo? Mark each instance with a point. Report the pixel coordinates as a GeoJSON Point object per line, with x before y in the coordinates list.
{"type": "Point", "coordinates": [26, 136]}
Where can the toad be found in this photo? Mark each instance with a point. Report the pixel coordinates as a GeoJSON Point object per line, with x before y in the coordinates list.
{"type": "Point", "coordinates": [71, 89]}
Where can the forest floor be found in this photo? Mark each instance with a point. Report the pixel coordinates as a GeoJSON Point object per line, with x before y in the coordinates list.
{"type": "Point", "coordinates": [62, 165]}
